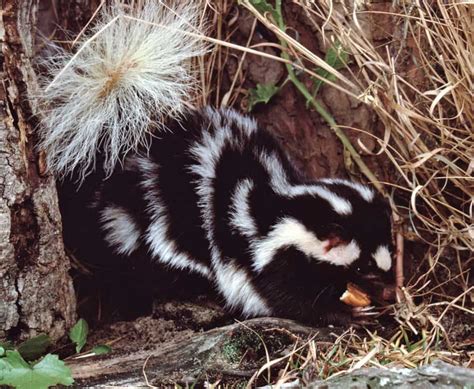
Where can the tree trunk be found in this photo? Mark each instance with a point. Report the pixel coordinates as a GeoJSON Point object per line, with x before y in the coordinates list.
{"type": "Point", "coordinates": [36, 292]}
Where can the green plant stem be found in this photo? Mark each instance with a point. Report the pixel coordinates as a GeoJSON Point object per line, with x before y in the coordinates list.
{"type": "Point", "coordinates": [319, 108]}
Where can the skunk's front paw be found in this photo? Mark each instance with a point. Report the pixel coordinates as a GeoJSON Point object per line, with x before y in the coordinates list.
{"type": "Point", "coordinates": [345, 316]}
{"type": "Point", "coordinates": [339, 315]}
{"type": "Point", "coordinates": [364, 316]}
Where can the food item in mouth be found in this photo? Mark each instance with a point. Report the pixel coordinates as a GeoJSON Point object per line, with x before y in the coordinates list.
{"type": "Point", "coordinates": [355, 297]}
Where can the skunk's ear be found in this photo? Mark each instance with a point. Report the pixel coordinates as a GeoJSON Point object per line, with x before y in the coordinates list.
{"type": "Point", "coordinates": [332, 241]}
{"type": "Point", "coordinates": [334, 236]}
{"type": "Point", "coordinates": [338, 248]}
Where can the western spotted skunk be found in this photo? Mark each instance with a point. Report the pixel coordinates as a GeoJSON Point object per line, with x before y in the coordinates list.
{"type": "Point", "coordinates": [213, 194]}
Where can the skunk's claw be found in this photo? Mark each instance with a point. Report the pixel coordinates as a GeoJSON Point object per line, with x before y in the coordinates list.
{"type": "Point", "coordinates": [364, 316]}
{"type": "Point", "coordinates": [364, 312]}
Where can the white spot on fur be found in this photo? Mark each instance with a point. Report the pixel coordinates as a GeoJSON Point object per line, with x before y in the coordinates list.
{"type": "Point", "coordinates": [290, 232]}
{"type": "Point", "coordinates": [117, 86]}
{"type": "Point", "coordinates": [343, 254]}
{"type": "Point", "coordinates": [161, 247]}
{"type": "Point", "coordinates": [236, 287]}
{"type": "Point", "coordinates": [281, 185]}
{"type": "Point", "coordinates": [364, 191]}
{"type": "Point", "coordinates": [240, 217]}
{"type": "Point", "coordinates": [121, 232]}
{"type": "Point", "coordinates": [382, 257]}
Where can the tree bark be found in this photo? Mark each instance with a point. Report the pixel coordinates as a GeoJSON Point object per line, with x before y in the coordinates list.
{"type": "Point", "coordinates": [36, 292]}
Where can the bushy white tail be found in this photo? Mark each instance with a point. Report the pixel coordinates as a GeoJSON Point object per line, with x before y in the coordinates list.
{"type": "Point", "coordinates": [129, 73]}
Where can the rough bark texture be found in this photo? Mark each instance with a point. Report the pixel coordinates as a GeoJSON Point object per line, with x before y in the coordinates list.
{"type": "Point", "coordinates": [36, 293]}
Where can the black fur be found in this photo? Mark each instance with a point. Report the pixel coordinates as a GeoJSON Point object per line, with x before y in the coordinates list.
{"type": "Point", "coordinates": [293, 284]}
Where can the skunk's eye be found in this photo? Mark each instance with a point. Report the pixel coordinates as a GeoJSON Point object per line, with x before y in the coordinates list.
{"type": "Point", "coordinates": [365, 268]}
{"type": "Point", "coordinates": [336, 230]}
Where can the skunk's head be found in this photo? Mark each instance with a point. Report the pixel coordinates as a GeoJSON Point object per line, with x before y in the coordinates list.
{"type": "Point", "coordinates": [326, 234]}
{"type": "Point", "coordinates": [340, 223]}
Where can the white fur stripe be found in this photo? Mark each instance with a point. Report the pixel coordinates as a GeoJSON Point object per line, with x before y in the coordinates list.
{"type": "Point", "coordinates": [282, 186]}
{"type": "Point", "coordinates": [121, 232]}
{"type": "Point", "coordinates": [207, 152]}
{"type": "Point", "coordinates": [231, 281]}
{"type": "Point", "coordinates": [235, 285]}
{"type": "Point", "coordinates": [364, 191]}
{"type": "Point", "coordinates": [382, 257]}
{"type": "Point", "coordinates": [340, 205]}
{"type": "Point", "coordinates": [161, 247]}
{"type": "Point", "coordinates": [244, 123]}
{"type": "Point", "coordinates": [240, 217]}
{"type": "Point", "coordinates": [290, 232]}
{"type": "Point", "coordinates": [274, 168]}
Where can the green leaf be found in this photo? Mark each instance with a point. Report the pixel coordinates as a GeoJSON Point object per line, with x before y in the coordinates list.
{"type": "Point", "coordinates": [34, 348]}
{"type": "Point", "coordinates": [2, 351]}
{"type": "Point", "coordinates": [7, 345]}
{"type": "Point", "coordinates": [78, 334]}
{"type": "Point", "coordinates": [261, 94]}
{"type": "Point", "coordinates": [337, 58]}
{"type": "Point", "coordinates": [49, 371]}
{"type": "Point", "coordinates": [101, 349]}
{"type": "Point", "coordinates": [262, 6]}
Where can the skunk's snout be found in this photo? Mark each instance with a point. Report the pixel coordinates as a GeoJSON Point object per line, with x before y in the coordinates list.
{"type": "Point", "coordinates": [377, 284]}
{"type": "Point", "coordinates": [370, 276]}
{"type": "Point", "coordinates": [378, 278]}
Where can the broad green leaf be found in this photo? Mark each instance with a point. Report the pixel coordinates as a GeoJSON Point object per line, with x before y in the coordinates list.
{"type": "Point", "coordinates": [2, 351]}
{"type": "Point", "coordinates": [34, 348]}
{"type": "Point", "coordinates": [101, 349]}
{"type": "Point", "coordinates": [49, 371]}
{"type": "Point", "coordinates": [78, 334]}
{"type": "Point", "coordinates": [261, 94]}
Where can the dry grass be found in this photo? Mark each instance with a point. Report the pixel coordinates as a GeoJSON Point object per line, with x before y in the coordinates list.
{"type": "Point", "coordinates": [315, 360]}
{"type": "Point", "coordinates": [420, 86]}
